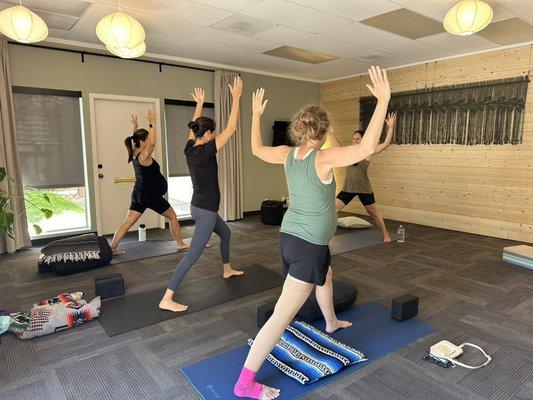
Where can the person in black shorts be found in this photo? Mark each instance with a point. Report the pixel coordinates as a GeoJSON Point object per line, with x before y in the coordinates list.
{"type": "Point", "coordinates": [357, 183]}
{"type": "Point", "coordinates": [150, 184]}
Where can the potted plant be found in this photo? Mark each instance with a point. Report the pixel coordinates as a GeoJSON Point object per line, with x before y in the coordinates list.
{"type": "Point", "coordinates": [7, 215]}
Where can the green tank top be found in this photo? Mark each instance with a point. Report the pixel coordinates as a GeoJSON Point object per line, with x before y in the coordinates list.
{"type": "Point", "coordinates": [311, 214]}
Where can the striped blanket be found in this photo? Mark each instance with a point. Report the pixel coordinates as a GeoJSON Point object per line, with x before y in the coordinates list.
{"type": "Point", "coordinates": [307, 354]}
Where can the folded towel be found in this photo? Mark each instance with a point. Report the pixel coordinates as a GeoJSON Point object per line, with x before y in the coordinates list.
{"type": "Point", "coordinates": [307, 354]}
{"type": "Point", "coordinates": [79, 248]}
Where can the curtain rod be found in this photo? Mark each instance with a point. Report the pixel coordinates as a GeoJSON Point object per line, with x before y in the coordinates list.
{"type": "Point", "coordinates": [83, 53]}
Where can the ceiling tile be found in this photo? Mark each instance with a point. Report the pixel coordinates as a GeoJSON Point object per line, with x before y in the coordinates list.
{"type": "Point", "coordinates": [510, 31]}
{"type": "Point", "coordinates": [73, 8]}
{"type": "Point", "coordinates": [165, 26]}
{"type": "Point", "coordinates": [334, 69]}
{"type": "Point", "coordinates": [298, 54]}
{"type": "Point", "coordinates": [356, 10]}
{"type": "Point", "coordinates": [437, 9]}
{"type": "Point", "coordinates": [331, 46]}
{"type": "Point", "coordinates": [231, 5]}
{"type": "Point", "coordinates": [74, 35]}
{"type": "Point", "coordinates": [364, 35]}
{"type": "Point", "coordinates": [243, 25]}
{"type": "Point", "coordinates": [294, 15]}
{"type": "Point", "coordinates": [455, 43]}
{"type": "Point", "coordinates": [216, 38]}
{"type": "Point", "coordinates": [56, 21]}
{"type": "Point", "coordinates": [405, 23]}
{"type": "Point", "coordinates": [527, 18]}
{"type": "Point", "coordinates": [519, 7]}
{"type": "Point", "coordinates": [180, 10]}
{"type": "Point", "coordinates": [283, 35]}
{"type": "Point", "coordinates": [268, 63]}
{"type": "Point", "coordinates": [415, 51]}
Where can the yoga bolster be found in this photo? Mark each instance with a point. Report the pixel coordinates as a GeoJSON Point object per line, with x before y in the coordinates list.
{"type": "Point", "coordinates": [344, 295]}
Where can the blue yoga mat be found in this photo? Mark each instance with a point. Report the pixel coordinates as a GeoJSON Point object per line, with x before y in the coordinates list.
{"type": "Point", "coordinates": [373, 332]}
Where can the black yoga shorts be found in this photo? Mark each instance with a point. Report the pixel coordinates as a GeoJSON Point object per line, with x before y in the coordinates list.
{"type": "Point", "coordinates": [304, 260]}
{"type": "Point", "coordinates": [366, 199]}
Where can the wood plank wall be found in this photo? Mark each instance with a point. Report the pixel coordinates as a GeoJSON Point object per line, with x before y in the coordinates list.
{"type": "Point", "coordinates": [480, 189]}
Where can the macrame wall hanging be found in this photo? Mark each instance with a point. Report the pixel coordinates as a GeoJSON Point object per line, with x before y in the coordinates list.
{"type": "Point", "coordinates": [490, 112]}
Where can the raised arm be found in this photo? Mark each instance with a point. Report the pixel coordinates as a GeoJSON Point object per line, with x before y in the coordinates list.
{"type": "Point", "coordinates": [151, 139]}
{"type": "Point", "coordinates": [348, 155]}
{"type": "Point", "coordinates": [134, 122]}
{"type": "Point", "coordinates": [236, 91]}
{"type": "Point", "coordinates": [199, 97]}
{"type": "Point", "coordinates": [273, 155]}
{"type": "Point", "coordinates": [391, 119]}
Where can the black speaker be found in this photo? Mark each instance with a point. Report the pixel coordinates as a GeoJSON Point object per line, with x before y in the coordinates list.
{"type": "Point", "coordinates": [281, 133]}
{"type": "Point", "coordinates": [404, 307]}
{"type": "Point", "coordinates": [109, 286]}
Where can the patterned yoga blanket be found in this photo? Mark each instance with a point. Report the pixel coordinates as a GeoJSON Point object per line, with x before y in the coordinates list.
{"type": "Point", "coordinates": [307, 354]}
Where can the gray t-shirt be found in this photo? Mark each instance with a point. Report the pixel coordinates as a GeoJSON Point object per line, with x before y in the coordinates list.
{"type": "Point", "coordinates": [356, 179]}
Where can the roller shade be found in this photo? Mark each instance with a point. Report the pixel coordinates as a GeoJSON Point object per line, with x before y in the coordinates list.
{"type": "Point", "coordinates": [49, 137]}
{"type": "Point", "coordinates": [177, 116]}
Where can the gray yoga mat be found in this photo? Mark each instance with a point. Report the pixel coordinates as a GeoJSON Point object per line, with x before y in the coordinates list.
{"type": "Point", "coordinates": [125, 313]}
{"type": "Point", "coordinates": [136, 250]}
{"type": "Point", "coordinates": [355, 240]}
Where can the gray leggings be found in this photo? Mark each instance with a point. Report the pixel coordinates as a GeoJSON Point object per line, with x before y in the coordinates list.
{"type": "Point", "coordinates": [207, 222]}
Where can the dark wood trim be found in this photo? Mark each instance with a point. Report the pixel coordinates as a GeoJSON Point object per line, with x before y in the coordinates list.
{"type": "Point", "coordinates": [188, 103]}
{"type": "Point", "coordinates": [46, 91]}
{"type": "Point", "coordinates": [82, 54]}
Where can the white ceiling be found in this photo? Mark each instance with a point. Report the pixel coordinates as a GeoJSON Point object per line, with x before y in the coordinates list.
{"type": "Point", "coordinates": [201, 30]}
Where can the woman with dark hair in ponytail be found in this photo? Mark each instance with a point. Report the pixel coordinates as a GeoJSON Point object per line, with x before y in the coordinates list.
{"type": "Point", "coordinates": [150, 184]}
{"type": "Point", "coordinates": [200, 151]}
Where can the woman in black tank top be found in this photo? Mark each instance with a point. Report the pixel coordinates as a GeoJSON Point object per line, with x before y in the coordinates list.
{"type": "Point", "coordinates": [150, 184]}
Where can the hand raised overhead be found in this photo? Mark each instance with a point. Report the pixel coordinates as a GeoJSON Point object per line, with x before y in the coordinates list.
{"type": "Point", "coordinates": [258, 105]}
{"type": "Point", "coordinates": [380, 87]}
{"type": "Point", "coordinates": [236, 88]}
{"type": "Point", "coordinates": [198, 95]}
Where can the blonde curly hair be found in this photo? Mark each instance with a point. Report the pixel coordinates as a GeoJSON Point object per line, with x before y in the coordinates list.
{"type": "Point", "coordinates": [310, 123]}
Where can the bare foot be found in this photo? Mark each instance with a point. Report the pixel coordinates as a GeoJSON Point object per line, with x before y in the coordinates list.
{"type": "Point", "coordinates": [269, 393]}
{"type": "Point", "coordinates": [387, 239]}
{"type": "Point", "coordinates": [337, 325]}
{"type": "Point", "coordinates": [183, 246]}
{"type": "Point", "coordinates": [117, 252]}
{"type": "Point", "coordinates": [229, 272]}
{"type": "Point", "coordinates": [170, 305]}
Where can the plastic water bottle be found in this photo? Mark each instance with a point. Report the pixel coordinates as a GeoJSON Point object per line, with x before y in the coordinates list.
{"type": "Point", "coordinates": [142, 233]}
{"type": "Point", "coordinates": [401, 234]}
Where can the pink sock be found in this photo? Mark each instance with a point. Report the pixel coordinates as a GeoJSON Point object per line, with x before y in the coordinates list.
{"type": "Point", "coordinates": [246, 386]}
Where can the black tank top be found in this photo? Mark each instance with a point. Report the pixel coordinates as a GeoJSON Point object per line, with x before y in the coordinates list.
{"type": "Point", "coordinates": [149, 179]}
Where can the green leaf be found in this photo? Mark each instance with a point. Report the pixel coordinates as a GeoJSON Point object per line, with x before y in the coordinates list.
{"type": "Point", "coordinates": [2, 173]}
{"type": "Point", "coordinates": [47, 213]}
{"type": "Point", "coordinates": [37, 229]}
{"type": "Point", "coordinates": [3, 201]}
{"type": "Point", "coordinates": [9, 218]}
{"type": "Point", "coordinates": [46, 197]}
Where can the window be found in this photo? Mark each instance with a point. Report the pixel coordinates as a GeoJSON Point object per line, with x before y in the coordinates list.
{"type": "Point", "coordinates": [177, 115]}
{"type": "Point", "coordinates": [470, 114]}
{"type": "Point", "coordinates": [51, 147]}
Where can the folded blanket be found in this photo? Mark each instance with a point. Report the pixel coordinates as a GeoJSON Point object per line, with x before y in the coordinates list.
{"type": "Point", "coordinates": [307, 354]}
{"type": "Point", "coordinates": [79, 248]}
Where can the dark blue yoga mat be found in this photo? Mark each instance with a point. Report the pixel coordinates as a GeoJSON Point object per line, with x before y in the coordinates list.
{"type": "Point", "coordinates": [373, 332]}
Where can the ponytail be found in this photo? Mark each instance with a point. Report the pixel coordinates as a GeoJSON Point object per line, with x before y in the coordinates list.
{"type": "Point", "coordinates": [129, 146]}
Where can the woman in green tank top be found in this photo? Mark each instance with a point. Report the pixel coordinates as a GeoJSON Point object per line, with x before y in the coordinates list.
{"type": "Point", "coordinates": [357, 183]}
{"type": "Point", "coordinates": [310, 221]}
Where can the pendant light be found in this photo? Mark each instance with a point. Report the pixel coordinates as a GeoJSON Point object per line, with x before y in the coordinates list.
{"type": "Point", "coordinates": [468, 17]}
{"type": "Point", "coordinates": [120, 30]}
{"type": "Point", "coordinates": [23, 25]}
{"type": "Point", "coordinates": [126, 52]}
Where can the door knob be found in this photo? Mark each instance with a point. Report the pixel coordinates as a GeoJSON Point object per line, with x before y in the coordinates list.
{"type": "Point", "coordinates": [100, 176]}
{"type": "Point", "coordinates": [100, 166]}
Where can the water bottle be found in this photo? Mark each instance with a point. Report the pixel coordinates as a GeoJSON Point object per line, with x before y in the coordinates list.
{"type": "Point", "coordinates": [401, 234]}
{"type": "Point", "coordinates": [142, 233]}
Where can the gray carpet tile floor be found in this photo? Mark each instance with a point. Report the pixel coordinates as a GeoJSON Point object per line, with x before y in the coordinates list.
{"type": "Point", "coordinates": [466, 292]}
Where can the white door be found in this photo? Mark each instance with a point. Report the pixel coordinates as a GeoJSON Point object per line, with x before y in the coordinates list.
{"type": "Point", "coordinates": [114, 177]}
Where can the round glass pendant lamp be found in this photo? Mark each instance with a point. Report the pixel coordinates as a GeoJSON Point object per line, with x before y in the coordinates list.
{"type": "Point", "coordinates": [468, 17]}
{"type": "Point", "coordinates": [23, 25]}
{"type": "Point", "coordinates": [120, 30]}
{"type": "Point", "coordinates": [126, 52]}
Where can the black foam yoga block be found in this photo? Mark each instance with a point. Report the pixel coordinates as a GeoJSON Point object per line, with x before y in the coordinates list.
{"type": "Point", "coordinates": [344, 295]}
{"type": "Point", "coordinates": [404, 307]}
{"type": "Point", "coordinates": [109, 286]}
